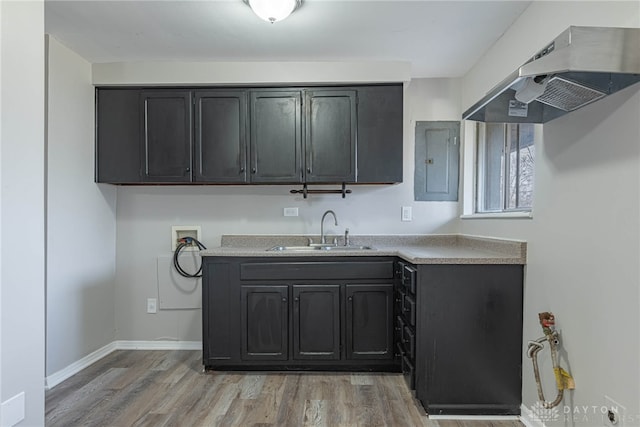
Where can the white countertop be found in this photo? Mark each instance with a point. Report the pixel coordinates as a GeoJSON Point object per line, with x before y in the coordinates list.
{"type": "Point", "coordinates": [417, 249]}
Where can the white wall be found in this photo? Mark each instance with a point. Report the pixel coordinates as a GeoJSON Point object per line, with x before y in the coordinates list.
{"type": "Point", "coordinates": [145, 216]}
{"type": "Point", "coordinates": [22, 207]}
{"type": "Point", "coordinates": [81, 230]}
{"type": "Point", "coordinates": [262, 72]}
{"type": "Point", "coordinates": [584, 243]}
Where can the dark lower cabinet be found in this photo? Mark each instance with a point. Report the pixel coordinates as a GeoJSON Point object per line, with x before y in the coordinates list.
{"type": "Point", "coordinates": [316, 322]}
{"type": "Point", "coordinates": [469, 339]}
{"type": "Point", "coordinates": [369, 321]}
{"type": "Point", "coordinates": [293, 313]}
{"type": "Point", "coordinates": [264, 316]}
{"type": "Point", "coordinates": [454, 331]}
{"type": "Point", "coordinates": [405, 320]}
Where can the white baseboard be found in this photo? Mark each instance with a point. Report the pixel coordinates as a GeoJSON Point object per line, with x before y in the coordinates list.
{"type": "Point", "coordinates": [528, 419]}
{"type": "Point", "coordinates": [57, 377]}
{"type": "Point", "coordinates": [475, 417]}
{"type": "Point", "coordinates": [158, 345]}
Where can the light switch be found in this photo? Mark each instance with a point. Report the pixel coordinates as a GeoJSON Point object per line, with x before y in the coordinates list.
{"type": "Point", "coordinates": [406, 213]}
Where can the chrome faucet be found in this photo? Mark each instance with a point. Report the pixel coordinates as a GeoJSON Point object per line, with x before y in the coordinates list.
{"type": "Point", "coordinates": [323, 239]}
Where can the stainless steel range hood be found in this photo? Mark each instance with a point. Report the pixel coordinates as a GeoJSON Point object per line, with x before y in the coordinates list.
{"type": "Point", "coordinates": [582, 65]}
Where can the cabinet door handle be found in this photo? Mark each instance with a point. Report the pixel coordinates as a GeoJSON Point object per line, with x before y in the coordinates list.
{"type": "Point", "coordinates": [296, 299]}
{"type": "Point", "coordinates": [254, 169]}
{"type": "Point", "coordinates": [188, 169]}
{"type": "Point", "coordinates": [350, 299]}
{"type": "Point", "coordinates": [284, 299]}
{"type": "Point", "coordinates": [242, 170]}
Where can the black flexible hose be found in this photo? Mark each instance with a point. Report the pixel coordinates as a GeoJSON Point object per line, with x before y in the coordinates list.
{"type": "Point", "coordinates": [187, 241]}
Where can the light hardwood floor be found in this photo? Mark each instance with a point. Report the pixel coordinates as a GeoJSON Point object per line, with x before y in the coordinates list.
{"type": "Point", "coordinates": [169, 388]}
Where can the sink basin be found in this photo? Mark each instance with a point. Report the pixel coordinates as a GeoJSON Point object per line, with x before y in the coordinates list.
{"type": "Point", "coordinates": [295, 248]}
{"type": "Point", "coordinates": [348, 248]}
{"type": "Point", "coordinates": [319, 248]}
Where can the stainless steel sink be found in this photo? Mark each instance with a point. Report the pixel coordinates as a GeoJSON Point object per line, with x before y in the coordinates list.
{"type": "Point", "coordinates": [319, 248]}
{"type": "Point", "coordinates": [295, 248]}
{"type": "Point", "coordinates": [348, 248]}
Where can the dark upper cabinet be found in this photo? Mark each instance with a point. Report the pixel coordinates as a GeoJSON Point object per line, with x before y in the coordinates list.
{"type": "Point", "coordinates": [221, 147]}
{"type": "Point", "coordinates": [380, 134]}
{"type": "Point", "coordinates": [276, 135]}
{"type": "Point", "coordinates": [330, 136]}
{"type": "Point", "coordinates": [316, 322]}
{"type": "Point", "coordinates": [369, 321]}
{"type": "Point", "coordinates": [166, 135]}
{"type": "Point", "coordinates": [118, 136]}
{"type": "Point", "coordinates": [249, 135]}
{"type": "Point", "coordinates": [265, 322]}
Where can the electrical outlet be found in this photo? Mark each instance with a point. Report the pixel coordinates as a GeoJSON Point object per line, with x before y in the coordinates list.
{"type": "Point", "coordinates": [181, 231]}
{"type": "Point", "coordinates": [613, 413]}
{"type": "Point", "coordinates": [406, 213]}
{"type": "Point", "coordinates": [290, 212]}
{"type": "Point", "coordinates": [152, 305]}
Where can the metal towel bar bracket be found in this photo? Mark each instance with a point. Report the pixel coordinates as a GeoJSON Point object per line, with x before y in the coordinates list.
{"type": "Point", "coordinates": [305, 191]}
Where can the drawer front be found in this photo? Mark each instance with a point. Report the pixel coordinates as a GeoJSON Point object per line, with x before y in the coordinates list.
{"type": "Point", "coordinates": [407, 372]}
{"type": "Point", "coordinates": [409, 309]}
{"type": "Point", "coordinates": [330, 270]}
{"type": "Point", "coordinates": [409, 341]}
{"type": "Point", "coordinates": [409, 275]}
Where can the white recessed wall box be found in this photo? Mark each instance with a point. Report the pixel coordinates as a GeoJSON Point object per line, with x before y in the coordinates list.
{"type": "Point", "coordinates": [180, 231]}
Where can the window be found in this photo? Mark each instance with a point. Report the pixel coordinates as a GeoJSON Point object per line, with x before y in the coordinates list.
{"type": "Point", "coordinates": [506, 156]}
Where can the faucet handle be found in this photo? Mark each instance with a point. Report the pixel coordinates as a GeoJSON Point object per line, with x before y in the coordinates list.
{"type": "Point", "coordinates": [346, 236]}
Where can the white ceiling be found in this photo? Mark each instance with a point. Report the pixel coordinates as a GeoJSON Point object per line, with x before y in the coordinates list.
{"type": "Point", "coordinates": [438, 38]}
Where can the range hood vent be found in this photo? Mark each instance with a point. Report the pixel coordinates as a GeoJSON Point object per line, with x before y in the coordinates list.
{"type": "Point", "coordinates": [582, 65]}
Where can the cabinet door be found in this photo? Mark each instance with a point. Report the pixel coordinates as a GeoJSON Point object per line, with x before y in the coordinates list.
{"type": "Point", "coordinates": [380, 134]}
{"type": "Point", "coordinates": [330, 136]}
{"type": "Point", "coordinates": [221, 145]}
{"type": "Point", "coordinates": [316, 322]}
{"type": "Point", "coordinates": [118, 136]}
{"type": "Point", "coordinates": [264, 318]}
{"type": "Point", "coordinates": [166, 135]}
{"type": "Point", "coordinates": [369, 321]}
{"type": "Point", "coordinates": [220, 308]}
{"type": "Point", "coordinates": [276, 137]}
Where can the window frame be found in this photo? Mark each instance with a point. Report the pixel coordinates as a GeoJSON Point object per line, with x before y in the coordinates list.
{"type": "Point", "coordinates": [480, 173]}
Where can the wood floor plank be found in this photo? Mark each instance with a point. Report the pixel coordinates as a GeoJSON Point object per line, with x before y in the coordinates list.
{"type": "Point", "coordinates": [169, 388]}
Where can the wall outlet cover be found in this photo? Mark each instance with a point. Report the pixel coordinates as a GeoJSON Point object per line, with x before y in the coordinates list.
{"type": "Point", "coordinates": [290, 212]}
{"type": "Point", "coordinates": [152, 305]}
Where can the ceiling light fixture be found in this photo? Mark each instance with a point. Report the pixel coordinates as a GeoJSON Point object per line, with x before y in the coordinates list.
{"type": "Point", "coordinates": [273, 10]}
